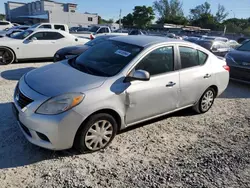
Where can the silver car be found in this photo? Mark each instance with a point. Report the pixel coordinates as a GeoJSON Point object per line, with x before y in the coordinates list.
{"type": "Point", "coordinates": [85, 101]}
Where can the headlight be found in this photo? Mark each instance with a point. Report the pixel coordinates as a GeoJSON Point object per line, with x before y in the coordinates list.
{"type": "Point", "coordinates": [227, 56]}
{"type": "Point", "coordinates": [60, 103]}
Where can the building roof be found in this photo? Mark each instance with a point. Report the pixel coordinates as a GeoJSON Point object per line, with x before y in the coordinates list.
{"type": "Point", "coordinates": [16, 2]}
{"type": "Point", "coordinates": [144, 40]}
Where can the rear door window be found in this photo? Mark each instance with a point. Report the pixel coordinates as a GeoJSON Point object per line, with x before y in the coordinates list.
{"type": "Point", "coordinates": [191, 57]}
{"type": "Point", "coordinates": [106, 30]}
{"type": "Point", "coordinates": [102, 30]}
{"type": "Point", "coordinates": [47, 36]}
{"type": "Point", "coordinates": [4, 23]}
{"type": "Point", "coordinates": [60, 27]}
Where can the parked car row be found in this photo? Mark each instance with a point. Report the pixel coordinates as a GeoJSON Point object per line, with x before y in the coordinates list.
{"type": "Point", "coordinates": [35, 44]}
{"type": "Point", "coordinates": [13, 30]}
{"type": "Point", "coordinates": [116, 83]}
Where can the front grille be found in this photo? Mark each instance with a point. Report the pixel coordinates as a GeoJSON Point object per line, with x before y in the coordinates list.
{"type": "Point", "coordinates": [22, 100]}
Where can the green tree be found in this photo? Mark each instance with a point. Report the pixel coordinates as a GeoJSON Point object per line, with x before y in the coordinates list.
{"type": "Point", "coordinates": [206, 21]}
{"type": "Point", "coordinates": [143, 16]}
{"type": "Point", "coordinates": [99, 19]}
{"type": "Point", "coordinates": [170, 11]}
{"type": "Point", "coordinates": [200, 10]}
{"type": "Point", "coordinates": [221, 13]}
{"type": "Point", "coordinates": [2, 17]}
{"type": "Point", "coordinates": [128, 20]}
{"type": "Point", "coordinates": [103, 21]}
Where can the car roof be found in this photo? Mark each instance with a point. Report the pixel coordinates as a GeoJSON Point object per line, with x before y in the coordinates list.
{"type": "Point", "coordinates": [144, 40]}
{"type": "Point", "coordinates": [47, 30]}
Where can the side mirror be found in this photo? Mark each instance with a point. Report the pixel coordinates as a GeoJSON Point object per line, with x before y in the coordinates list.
{"type": "Point", "coordinates": [141, 75]}
{"type": "Point", "coordinates": [33, 39]}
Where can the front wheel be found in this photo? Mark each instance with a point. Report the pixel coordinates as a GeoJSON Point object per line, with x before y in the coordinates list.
{"type": "Point", "coordinates": [6, 56]}
{"type": "Point", "coordinates": [96, 133]}
{"type": "Point", "coordinates": [206, 101]}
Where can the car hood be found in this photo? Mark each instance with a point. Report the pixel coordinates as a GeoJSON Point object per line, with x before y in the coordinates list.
{"type": "Point", "coordinates": [59, 78]}
{"type": "Point", "coordinates": [7, 40]}
{"type": "Point", "coordinates": [73, 50]}
{"type": "Point", "coordinates": [240, 56]}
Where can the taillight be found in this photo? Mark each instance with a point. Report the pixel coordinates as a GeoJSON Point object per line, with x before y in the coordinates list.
{"type": "Point", "coordinates": [227, 68]}
{"type": "Point", "coordinates": [92, 37]}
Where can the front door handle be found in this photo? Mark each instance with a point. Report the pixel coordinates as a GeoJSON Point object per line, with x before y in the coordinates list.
{"type": "Point", "coordinates": [170, 84]}
{"type": "Point", "coordinates": [207, 76]}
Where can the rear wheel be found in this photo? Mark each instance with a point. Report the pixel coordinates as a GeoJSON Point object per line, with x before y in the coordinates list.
{"type": "Point", "coordinates": [206, 101]}
{"type": "Point", "coordinates": [6, 56]}
{"type": "Point", "coordinates": [96, 133]}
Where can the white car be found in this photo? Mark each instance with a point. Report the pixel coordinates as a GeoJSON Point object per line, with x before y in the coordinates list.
{"type": "Point", "coordinates": [35, 44]}
{"type": "Point", "coordinates": [5, 25]}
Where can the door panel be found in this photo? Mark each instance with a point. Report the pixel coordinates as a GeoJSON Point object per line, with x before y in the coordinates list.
{"type": "Point", "coordinates": [158, 95]}
{"type": "Point", "coordinates": [193, 82]}
{"type": "Point", "coordinates": [153, 97]}
{"type": "Point", "coordinates": [196, 77]}
{"type": "Point", "coordinates": [46, 45]}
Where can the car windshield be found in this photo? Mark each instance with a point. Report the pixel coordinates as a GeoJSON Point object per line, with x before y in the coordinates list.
{"type": "Point", "coordinates": [94, 29]}
{"type": "Point", "coordinates": [244, 47]}
{"type": "Point", "coordinates": [22, 35]}
{"type": "Point", "coordinates": [106, 58]}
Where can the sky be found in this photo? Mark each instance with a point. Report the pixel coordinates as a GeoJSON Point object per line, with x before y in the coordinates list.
{"type": "Point", "coordinates": [109, 9]}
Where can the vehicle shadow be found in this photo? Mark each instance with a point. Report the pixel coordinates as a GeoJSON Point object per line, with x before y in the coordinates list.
{"type": "Point", "coordinates": [15, 74]}
{"type": "Point", "coordinates": [236, 90]}
{"type": "Point", "coordinates": [15, 150]}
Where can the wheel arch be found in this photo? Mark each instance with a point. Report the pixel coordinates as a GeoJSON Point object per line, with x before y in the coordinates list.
{"type": "Point", "coordinates": [15, 58]}
{"type": "Point", "coordinates": [109, 111]}
{"type": "Point", "coordinates": [215, 88]}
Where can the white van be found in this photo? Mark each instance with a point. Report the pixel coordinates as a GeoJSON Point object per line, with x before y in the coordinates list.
{"type": "Point", "coordinates": [5, 25]}
{"type": "Point", "coordinates": [58, 26]}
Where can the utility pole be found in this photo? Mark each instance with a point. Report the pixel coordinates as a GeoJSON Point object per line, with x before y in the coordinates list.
{"type": "Point", "coordinates": [120, 19]}
{"type": "Point", "coordinates": [233, 13]}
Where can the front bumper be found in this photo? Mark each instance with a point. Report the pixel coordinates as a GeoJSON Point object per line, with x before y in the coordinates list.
{"type": "Point", "coordinates": [55, 132]}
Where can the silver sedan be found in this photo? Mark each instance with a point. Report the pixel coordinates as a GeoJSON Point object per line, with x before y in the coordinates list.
{"type": "Point", "coordinates": [85, 101]}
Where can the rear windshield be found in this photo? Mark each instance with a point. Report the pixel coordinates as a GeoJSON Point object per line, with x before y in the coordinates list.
{"type": "Point", "coordinates": [106, 58]}
{"type": "Point", "coordinates": [22, 35]}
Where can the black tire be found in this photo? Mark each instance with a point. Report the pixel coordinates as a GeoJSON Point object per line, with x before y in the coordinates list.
{"type": "Point", "coordinates": [81, 142]}
{"type": "Point", "coordinates": [7, 56]}
{"type": "Point", "coordinates": [199, 107]}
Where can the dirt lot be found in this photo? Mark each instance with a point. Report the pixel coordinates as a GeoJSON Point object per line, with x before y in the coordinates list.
{"type": "Point", "coordinates": [181, 150]}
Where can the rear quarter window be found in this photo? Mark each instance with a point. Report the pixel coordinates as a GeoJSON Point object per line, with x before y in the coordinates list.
{"type": "Point", "coordinates": [60, 27]}
{"type": "Point", "coordinates": [202, 57]}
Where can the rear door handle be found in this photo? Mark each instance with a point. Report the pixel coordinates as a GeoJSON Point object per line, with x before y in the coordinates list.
{"type": "Point", "coordinates": [170, 84]}
{"type": "Point", "coordinates": [207, 76]}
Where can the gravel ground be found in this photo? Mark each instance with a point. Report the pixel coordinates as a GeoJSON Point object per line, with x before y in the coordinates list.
{"type": "Point", "coordinates": [181, 150]}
